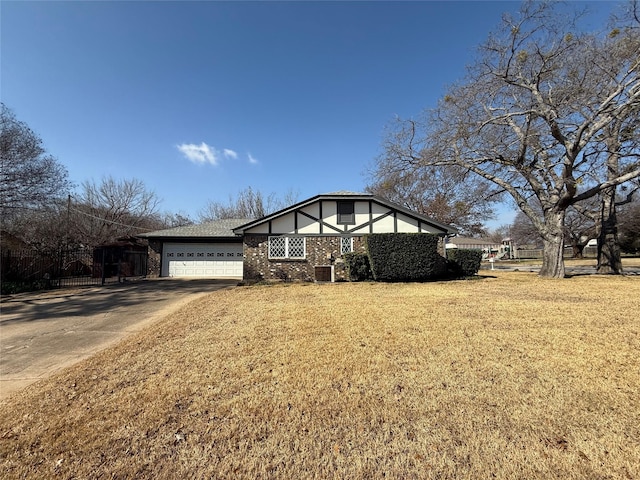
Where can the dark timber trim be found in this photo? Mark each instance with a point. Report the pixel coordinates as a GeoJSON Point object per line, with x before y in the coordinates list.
{"type": "Point", "coordinates": [370, 216]}
{"type": "Point", "coordinates": [370, 223]}
{"type": "Point", "coordinates": [321, 222]}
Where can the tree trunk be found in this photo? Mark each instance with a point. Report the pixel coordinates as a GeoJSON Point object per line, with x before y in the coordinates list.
{"type": "Point", "coordinates": [553, 244]}
{"type": "Point", "coordinates": [578, 250]}
{"type": "Point", "coordinates": [609, 259]}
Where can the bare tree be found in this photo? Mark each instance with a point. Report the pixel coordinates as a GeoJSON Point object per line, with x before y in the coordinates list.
{"type": "Point", "coordinates": [539, 96]}
{"type": "Point", "coordinates": [579, 228]}
{"type": "Point", "coordinates": [29, 178]}
{"type": "Point", "coordinates": [248, 203]}
{"type": "Point", "coordinates": [171, 220]}
{"type": "Point", "coordinates": [629, 226]}
{"type": "Point", "coordinates": [45, 229]}
{"type": "Point", "coordinates": [523, 232]}
{"type": "Point", "coordinates": [102, 212]}
{"type": "Point", "coordinates": [622, 141]}
{"type": "Point", "coordinates": [499, 233]}
{"type": "Point", "coordinates": [448, 194]}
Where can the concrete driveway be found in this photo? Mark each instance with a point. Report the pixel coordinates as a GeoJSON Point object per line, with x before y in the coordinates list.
{"type": "Point", "coordinates": [41, 333]}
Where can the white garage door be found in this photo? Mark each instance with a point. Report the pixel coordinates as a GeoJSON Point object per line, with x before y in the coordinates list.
{"type": "Point", "coordinates": [212, 260]}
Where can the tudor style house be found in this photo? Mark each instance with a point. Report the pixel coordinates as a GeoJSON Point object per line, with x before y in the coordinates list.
{"type": "Point", "coordinates": [306, 241]}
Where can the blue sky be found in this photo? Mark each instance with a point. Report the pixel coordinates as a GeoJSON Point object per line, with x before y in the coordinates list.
{"type": "Point", "coordinates": [202, 99]}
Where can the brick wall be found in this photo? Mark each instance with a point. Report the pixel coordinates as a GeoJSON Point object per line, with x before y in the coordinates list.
{"type": "Point", "coordinates": [154, 263]}
{"type": "Point", "coordinates": [257, 265]}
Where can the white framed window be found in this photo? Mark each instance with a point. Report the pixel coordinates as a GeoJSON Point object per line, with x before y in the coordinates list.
{"type": "Point", "coordinates": [287, 247]}
{"type": "Point", "coordinates": [346, 245]}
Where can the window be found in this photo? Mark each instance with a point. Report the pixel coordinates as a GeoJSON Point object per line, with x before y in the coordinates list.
{"type": "Point", "coordinates": [346, 213]}
{"type": "Point", "coordinates": [346, 245]}
{"type": "Point", "coordinates": [287, 247]}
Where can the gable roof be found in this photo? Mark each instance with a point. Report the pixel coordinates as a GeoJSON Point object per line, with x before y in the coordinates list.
{"type": "Point", "coordinates": [216, 229]}
{"type": "Point", "coordinates": [347, 195]}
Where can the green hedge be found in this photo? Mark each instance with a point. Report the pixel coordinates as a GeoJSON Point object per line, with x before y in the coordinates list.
{"type": "Point", "coordinates": [405, 257]}
{"type": "Point", "coordinates": [463, 262]}
{"type": "Point", "coordinates": [358, 267]}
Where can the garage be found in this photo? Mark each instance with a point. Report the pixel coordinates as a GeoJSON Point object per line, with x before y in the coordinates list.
{"type": "Point", "coordinates": [205, 250]}
{"type": "Point", "coordinates": [217, 260]}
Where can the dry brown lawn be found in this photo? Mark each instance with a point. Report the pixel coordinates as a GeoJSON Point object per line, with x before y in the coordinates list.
{"type": "Point", "coordinates": [504, 377]}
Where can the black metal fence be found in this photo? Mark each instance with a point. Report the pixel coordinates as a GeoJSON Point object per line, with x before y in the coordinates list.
{"type": "Point", "coordinates": [30, 270]}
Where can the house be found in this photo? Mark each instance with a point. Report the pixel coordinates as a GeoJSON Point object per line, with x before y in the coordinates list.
{"type": "Point", "coordinates": [305, 241]}
{"type": "Point", "coordinates": [489, 248]}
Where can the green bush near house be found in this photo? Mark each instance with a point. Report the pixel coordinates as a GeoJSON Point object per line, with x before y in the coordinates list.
{"type": "Point", "coordinates": [463, 262]}
{"type": "Point", "coordinates": [358, 268]}
{"type": "Point", "coordinates": [405, 257]}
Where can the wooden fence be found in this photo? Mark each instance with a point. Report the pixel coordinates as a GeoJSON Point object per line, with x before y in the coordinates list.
{"type": "Point", "coordinates": [588, 252]}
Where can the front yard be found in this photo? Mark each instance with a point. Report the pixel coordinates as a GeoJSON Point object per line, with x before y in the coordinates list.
{"type": "Point", "coordinates": [508, 376]}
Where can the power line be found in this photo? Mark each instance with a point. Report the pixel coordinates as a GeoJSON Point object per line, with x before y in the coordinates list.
{"type": "Point", "coordinates": [113, 222]}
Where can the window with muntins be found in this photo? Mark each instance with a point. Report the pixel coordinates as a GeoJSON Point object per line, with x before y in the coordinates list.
{"type": "Point", "coordinates": [346, 213]}
{"type": "Point", "coordinates": [287, 247]}
{"type": "Point", "coordinates": [346, 245]}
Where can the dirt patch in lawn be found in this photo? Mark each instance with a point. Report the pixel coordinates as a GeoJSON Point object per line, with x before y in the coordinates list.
{"type": "Point", "coordinates": [509, 376]}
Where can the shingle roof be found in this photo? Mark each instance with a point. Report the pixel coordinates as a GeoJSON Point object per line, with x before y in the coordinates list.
{"type": "Point", "coordinates": [472, 241]}
{"type": "Point", "coordinates": [217, 228]}
{"type": "Point", "coordinates": [345, 193]}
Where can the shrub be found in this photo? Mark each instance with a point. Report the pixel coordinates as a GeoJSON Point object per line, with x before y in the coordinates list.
{"type": "Point", "coordinates": [463, 262]}
{"type": "Point", "coordinates": [405, 257]}
{"type": "Point", "coordinates": [358, 268]}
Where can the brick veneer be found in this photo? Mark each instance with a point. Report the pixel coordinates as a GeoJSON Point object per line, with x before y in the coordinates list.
{"type": "Point", "coordinates": [155, 258]}
{"type": "Point", "coordinates": [258, 266]}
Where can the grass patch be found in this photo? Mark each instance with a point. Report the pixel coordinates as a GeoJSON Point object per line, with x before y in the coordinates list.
{"type": "Point", "coordinates": [511, 376]}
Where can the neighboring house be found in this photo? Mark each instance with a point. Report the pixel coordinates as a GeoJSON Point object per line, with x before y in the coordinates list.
{"type": "Point", "coordinates": [488, 247]}
{"type": "Point", "coordinates": [306, 241]}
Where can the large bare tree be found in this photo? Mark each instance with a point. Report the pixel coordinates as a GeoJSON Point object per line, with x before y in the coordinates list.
{"type": "Point", "coordinates": [103, 211]}
{"type": "Point", "coordinates": [629, 226]}
{"type": "Point", "coordinates": [248, 203]}
{"type": "Point", "coordinates": [539, 97]}
{"type": "Point", "coordinates": [448, 194]}
{"type": "Point", "coordinates": [29, 177]}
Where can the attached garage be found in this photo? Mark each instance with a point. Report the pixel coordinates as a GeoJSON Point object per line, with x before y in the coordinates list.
{"type": "Point", "coordinates": [209, 260]}
{"type": "Point", "coordinates": [206, 250]}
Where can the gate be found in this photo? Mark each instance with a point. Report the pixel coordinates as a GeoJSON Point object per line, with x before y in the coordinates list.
{"type": "Point", "coordinates": [28, 270]}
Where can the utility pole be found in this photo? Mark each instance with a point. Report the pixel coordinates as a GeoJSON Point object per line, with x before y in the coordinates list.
{"type": "Point", "coordinates": [68, 220]}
